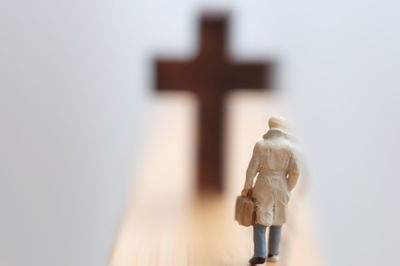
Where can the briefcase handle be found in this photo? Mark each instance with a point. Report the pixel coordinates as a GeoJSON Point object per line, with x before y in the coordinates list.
{"type": "Point", "coordinates": [250, 194]}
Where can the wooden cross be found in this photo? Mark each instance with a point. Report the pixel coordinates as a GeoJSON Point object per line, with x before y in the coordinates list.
{"type": "Point", "coordinates": [211, 75]}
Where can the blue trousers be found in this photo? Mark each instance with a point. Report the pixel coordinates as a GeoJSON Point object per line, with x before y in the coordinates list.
{"type": "Point", "coordinates": [273, 240]}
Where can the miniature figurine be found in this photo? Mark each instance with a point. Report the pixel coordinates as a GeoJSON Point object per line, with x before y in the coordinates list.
{"type": "Point", "coordinates": [275, 162]}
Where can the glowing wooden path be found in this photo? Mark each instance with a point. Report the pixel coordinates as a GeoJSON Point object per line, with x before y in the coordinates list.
{"type": "Point", "coordinates": [165, 225]}
{"type": "Point", "coordinates": [202, 235]}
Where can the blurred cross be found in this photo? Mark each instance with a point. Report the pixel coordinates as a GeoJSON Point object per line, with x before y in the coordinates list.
{"type": "Point", "coordinates": [211, 75]}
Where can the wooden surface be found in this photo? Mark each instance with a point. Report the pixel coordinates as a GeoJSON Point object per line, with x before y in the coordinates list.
{"type": "Point", "coordinates": [202, 233]}
{"type": "Point", "coordinates": [164, 224]}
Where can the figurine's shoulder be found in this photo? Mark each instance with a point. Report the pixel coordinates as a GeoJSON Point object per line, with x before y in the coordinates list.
{"type": "Point", "coordinates": [279, 143]}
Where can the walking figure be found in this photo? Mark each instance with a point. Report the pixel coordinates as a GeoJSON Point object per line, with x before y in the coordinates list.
{"type": "Point", "coordinates": [275, 162]}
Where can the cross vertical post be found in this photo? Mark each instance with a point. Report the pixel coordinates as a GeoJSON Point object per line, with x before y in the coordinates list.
{"type": "Point", "coordinates": [211, 75]}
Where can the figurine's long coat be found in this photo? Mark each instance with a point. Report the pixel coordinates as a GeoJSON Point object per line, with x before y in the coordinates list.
{"type": "Point", "coordinates": [274, 159]}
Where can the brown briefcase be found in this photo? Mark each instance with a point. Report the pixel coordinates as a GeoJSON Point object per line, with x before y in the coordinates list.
{"type": "Point", "coordinates": [245, 210]}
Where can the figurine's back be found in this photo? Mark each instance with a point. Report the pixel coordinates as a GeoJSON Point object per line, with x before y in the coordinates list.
{"type": "Point", "coordinates": [275, 154]}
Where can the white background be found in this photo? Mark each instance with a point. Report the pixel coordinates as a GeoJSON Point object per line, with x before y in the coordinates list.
{"type": "Point", "coordinates": [75, 87]}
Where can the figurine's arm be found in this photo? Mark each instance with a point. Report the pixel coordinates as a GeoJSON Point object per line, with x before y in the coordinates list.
{"type": "Point", "coordinates": [293, 172]}
{"type": "Point", "coordinates": [253, 168]}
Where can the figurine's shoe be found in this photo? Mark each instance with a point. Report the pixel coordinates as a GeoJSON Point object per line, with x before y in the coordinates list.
{"type": "Point", "coordinates": [256, 260]}
{"type": "Point", "coordinates": [273, 258]}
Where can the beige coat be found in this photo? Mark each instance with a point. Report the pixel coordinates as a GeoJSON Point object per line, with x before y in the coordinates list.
{"type": "Point", "coordinates": [275, 162]}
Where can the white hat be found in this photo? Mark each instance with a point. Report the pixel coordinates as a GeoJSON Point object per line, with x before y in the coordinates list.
{"type": "Point", "coordinates": [276, 122]}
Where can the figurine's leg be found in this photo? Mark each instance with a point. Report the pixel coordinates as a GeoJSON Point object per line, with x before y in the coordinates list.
{"type": "Point", "coordinates": [274, 239]}
{"type": "Point", "coordinates": [259, 241]}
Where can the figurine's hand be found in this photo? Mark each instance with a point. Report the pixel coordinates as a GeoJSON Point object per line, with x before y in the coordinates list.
{"type": "Point", "coordinates": [244, 192]}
